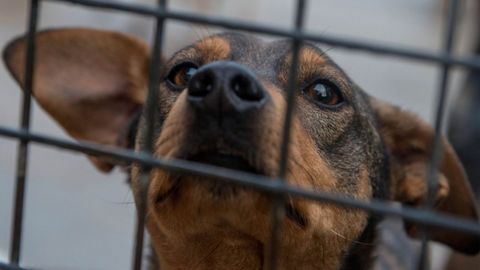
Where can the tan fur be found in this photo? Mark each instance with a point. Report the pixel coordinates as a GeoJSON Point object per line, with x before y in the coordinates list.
{"type": "Point", "coordinates": [213, 48]}
{"type": "Point", "coordinates": [193, 228]}
{"type": "Point", "coordinates": [311, 63]}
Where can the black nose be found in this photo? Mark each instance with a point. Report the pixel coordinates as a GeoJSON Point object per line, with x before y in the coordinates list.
{"type": "Point", "coordinates": [225, 87]}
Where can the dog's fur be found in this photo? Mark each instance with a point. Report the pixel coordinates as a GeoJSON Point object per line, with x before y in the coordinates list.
{"type": "Point", "coordinates": [95, 82]}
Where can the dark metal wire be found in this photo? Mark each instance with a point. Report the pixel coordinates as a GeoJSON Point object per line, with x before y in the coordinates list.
{"type": "Point", "coordinates": [150, 119]}
{"type": "Point", "coordinates": [278, 208]}
{"type": "Point", "coordinates": [472, 62]}
{"type": "Point", "coordinates": [22, 154]}
{"type": "Point", "coordinates": [278, 189]}
{"type": "Point", "coordinates": [436, 156]}
{"type": "Point", "coordinates": [257, 182]}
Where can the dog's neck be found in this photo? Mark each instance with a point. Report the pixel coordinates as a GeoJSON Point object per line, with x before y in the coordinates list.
{"type": "Point", "coordinates": [216, 250]}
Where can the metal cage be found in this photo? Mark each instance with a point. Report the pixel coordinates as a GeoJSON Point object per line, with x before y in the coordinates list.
{"type": "Point", "coordinates": [278, 188]}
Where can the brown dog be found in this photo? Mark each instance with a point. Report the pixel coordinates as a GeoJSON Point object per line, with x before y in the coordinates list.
{"type": "Point", "coordinates": [222, 102]}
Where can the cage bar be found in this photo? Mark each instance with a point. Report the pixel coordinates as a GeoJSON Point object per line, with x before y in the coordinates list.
{"type": "Point", "coordinates": [22, 154]}
{"type": "Point", "coordinates": [278, 208]}
{"type": "Point", "coordinates": [472, 62]}
{"type": "Point", "coordinates": [436, 156]}
{"type": "Point", "coordinates": [260, 183]}
{"type": "Point", "coordinates": [150, 119]}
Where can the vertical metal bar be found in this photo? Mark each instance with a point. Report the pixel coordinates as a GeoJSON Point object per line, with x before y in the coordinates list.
{"type": "Point", "coordinates": [432, 173]}
{"type": "Point", "coordinates": [22, 154]}
{"type": "Point", "coordinates": [150, 116]}
{"type": "Point", "coordinates": [278, 209]}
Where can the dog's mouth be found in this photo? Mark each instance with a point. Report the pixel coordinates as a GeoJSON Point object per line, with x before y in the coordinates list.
{"type": "Point", "coordinates": [215, 187]}
{"type": "Point", "coordinates": [234, 162]}
{"type": "Point", "coordinates": [226, 158]}
{"type": "Point", "coordinates": [229, 161]}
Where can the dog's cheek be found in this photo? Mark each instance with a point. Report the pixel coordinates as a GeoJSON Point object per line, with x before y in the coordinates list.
{"type": "Point", "coordinates": [170, 142]}
{"type": "Point", "coordinates": [166, 99]}
{"type": "Point", "coordinates": [185, 207]}
{"type": "Point", "coordinates": [356, 220]}
{"type": "Point", "coordinates": [309, 168]}
{"type": "Point", "coordinates": [306, 168]}
{"type": "Point", "coordinates": [268, 130]}
{"type": "Point", "coordinates": [166, 206]}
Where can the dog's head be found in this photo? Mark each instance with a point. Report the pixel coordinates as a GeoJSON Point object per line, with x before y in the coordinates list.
{"type": "Point", "coordinates": [222, 101]}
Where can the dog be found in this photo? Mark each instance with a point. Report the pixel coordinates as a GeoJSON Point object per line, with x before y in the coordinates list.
{"type": "Point", "coordinates": [222, 102]}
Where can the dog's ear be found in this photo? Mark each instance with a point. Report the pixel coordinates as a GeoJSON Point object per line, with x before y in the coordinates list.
{"type": "Point", "coordinates": [91, 82]}
{"type": "Point", "coordinates": [409, 142]}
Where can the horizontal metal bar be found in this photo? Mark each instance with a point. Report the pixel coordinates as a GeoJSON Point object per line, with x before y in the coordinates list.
{"type": "Point", "coordinates": [6, 266]}
{"type": "Point", "coordinates": [261, 183]}
{"type": "Point", "coordinates": [353, 44]}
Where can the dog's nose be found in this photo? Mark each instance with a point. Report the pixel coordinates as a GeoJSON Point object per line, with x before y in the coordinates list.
{"type": "Point", "coordinates": [225, 87]}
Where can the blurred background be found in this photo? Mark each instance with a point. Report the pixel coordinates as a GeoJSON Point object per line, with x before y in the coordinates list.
{"type": "Point", "coordinates": [78, 218]}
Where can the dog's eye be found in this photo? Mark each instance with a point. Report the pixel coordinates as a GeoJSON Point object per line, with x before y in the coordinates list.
{"type": "Point", "coordinates": [324, 92]}
{"type": "Point", "coordinates": [181, 74]}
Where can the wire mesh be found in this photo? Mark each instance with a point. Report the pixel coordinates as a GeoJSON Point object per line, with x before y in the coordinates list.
{"type": "Point", "coordinates": [278, 189]}
{"type": "Point", "coordinates": [150, 112]}
{"type": "Point", "coordinates": [278, 209]}
{"type": "Point", "coordinates": [22, 155]}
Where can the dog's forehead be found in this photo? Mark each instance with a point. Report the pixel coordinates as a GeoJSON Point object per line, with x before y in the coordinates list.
{"type": "Point", "coordinates": [251, 49]}
{"type": "Point", "coordinates": [266, 58]}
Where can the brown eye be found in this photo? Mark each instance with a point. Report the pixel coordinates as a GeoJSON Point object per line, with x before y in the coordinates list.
{"type": "Point", "coordinates": [181, 74]}
{"type": "Point", "coordinates": [324, 92]}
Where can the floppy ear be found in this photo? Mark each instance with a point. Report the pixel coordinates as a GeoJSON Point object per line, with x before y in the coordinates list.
{"type": "Point", "coordinates": [409, 142]}
{"type": "Point", "coordinates": [91, 82]}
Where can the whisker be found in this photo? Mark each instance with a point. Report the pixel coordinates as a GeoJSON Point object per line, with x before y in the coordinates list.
{"type": "Point", "coordinates": [353, 241]}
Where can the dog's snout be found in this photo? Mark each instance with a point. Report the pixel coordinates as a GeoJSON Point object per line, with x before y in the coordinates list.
{"type": "Point", "coordinates": [225, 87]}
